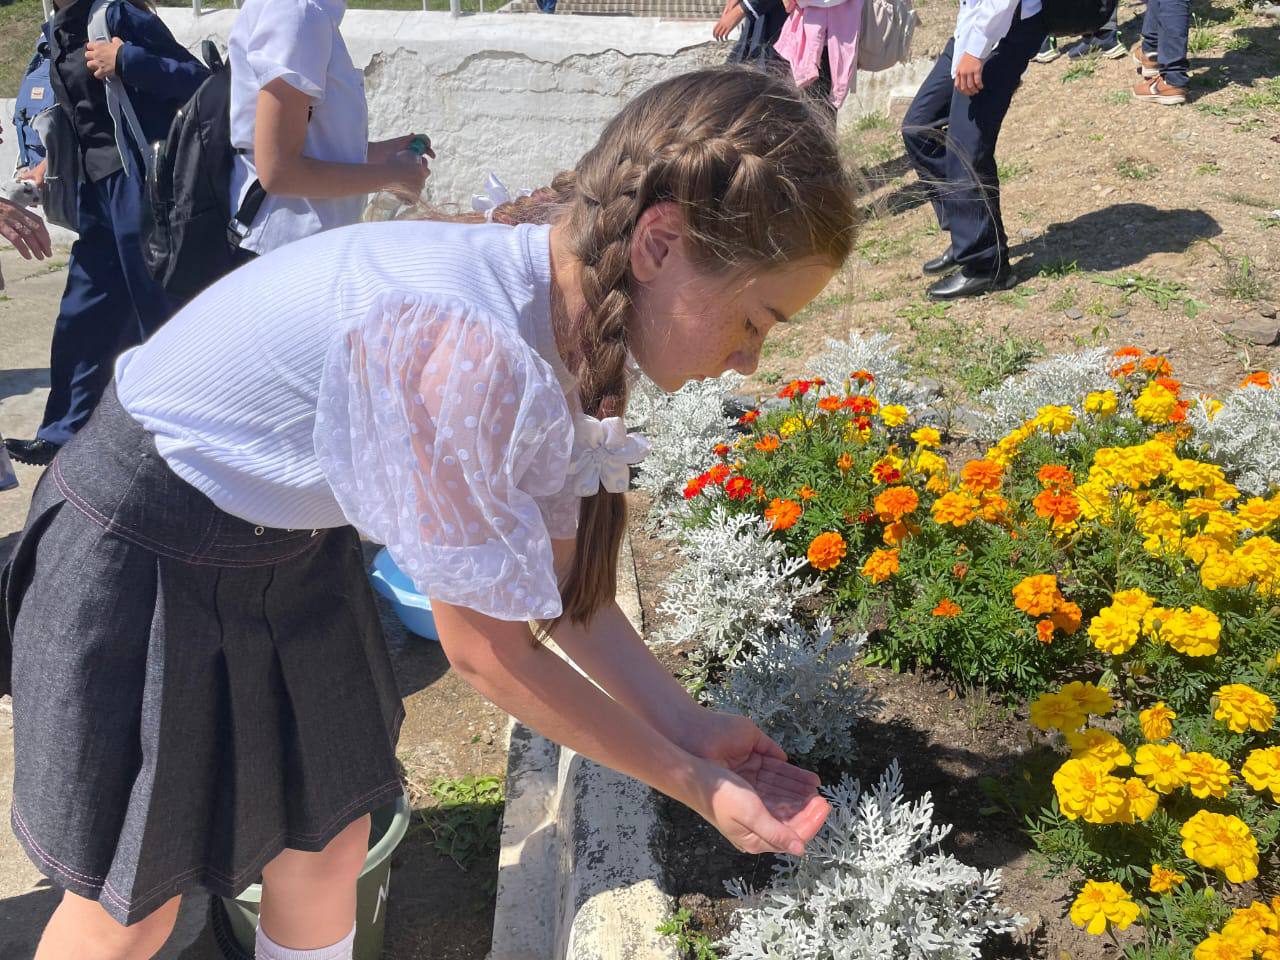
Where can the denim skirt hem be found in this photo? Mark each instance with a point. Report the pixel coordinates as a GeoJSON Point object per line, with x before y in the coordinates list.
{"type": "Point", "coordinates": [192, 694]}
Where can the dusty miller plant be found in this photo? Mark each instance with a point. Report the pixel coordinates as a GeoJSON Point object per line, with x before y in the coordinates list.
{"type": "Point", "coordinates": [1244, 437]}
{"type": "Point", "coordinates": [872, 886]}
{"type": "Point", "coordinates": [1059, 380]}
{"type": "Point", "coordinates": [682, 427]}
{"type": "Point", "coordinates": [736, 583]}
{"type": "Point", "coordinates": [876, 355]}
{"type": "Point", "coordinates": [797, 686]}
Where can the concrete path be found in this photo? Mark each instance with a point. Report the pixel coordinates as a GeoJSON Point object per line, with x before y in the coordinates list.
{"type": "Point", "coordinates": [28, 305]}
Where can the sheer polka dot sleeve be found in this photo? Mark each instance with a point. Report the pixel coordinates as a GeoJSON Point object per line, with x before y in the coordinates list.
{"type": "Point", "coordinates": [445, 437]}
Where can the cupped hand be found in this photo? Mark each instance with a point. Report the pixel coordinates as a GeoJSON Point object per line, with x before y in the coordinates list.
{"type": "Point", "coordinates": [770, 810]}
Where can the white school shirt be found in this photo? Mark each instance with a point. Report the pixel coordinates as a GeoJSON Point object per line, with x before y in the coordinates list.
{"type": "Point", "coordinates": [982, 24]}
{"type": "Point", "coordinates": [297, 41]}
{"type": "Point", "coordinates": [400, 377]}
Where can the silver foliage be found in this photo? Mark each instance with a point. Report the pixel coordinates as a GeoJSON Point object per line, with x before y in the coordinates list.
{"type": "Point", "coordinates": [877, 355]}
{"type": "Point", "coordinates": [797, 686]}
{"type": "Point", "coordinates": [1062, 380]}
{"type": "Point", "coordinates": [872, 886]}
{"type": "Point", "coordinates": [736, 583]}
{"type": "Point", "coordinates": [1243, 437]}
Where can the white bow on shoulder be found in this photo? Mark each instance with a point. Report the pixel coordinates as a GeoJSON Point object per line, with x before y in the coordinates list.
{"type": "Point", "coordinates": [603, 453]}
{"type": "Point", "coordinates": [495, 195]}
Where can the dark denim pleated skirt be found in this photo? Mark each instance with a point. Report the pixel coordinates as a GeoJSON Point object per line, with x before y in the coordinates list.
{"type": "Point", "coordinates": [192, 693]}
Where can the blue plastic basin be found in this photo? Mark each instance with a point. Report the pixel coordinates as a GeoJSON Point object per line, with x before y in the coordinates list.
{"type": "Point", "coordinates": [413, 609]}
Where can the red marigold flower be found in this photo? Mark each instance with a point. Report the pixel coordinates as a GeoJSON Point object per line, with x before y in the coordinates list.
{"type": "Point", "coordinates": [947, 608]}
{"type": "Point", "coordinates": [782, 514]}
{"type": "Point", "coordinates": [696, 486]}
{"type": "Point", "coordinates": [718, 474]}
{"type": "Point", "coordinates": [751, 416]}
{"type": "Point", "coordinates": [738, 488]}
{"type": "Point", "coordinates": [721, 449]}
{"type": "Point", "coordinates": [818, 382]}
{"type": "Point", "coordinates": [767, 444]}
{"type": "Point", "coordinates": [886, 473]}
{"type": "Point", "coordinates": [866, 516]}
{"type": "Point", "coordinates": [1259, 378]}
{"type": "Point", "coordinates": [796, 388]}
{"type": "Point", "coordinates": [863, 376]}
{"type": "Point", "coordinates": [862, 424]}
{"type": "Point", "coordinates": [829, 404]}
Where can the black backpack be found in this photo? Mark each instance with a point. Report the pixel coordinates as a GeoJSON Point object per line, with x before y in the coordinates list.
{"type": "Point", "coordinates": [190, 240]}
{"type": "Point", "coordinates": [1069, 18]}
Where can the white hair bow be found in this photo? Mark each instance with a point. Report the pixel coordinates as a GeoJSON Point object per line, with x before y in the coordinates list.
{"type": "Point", "coordinates": [603, 453]}
{"type": "Point", "coordinates": [495, 195]}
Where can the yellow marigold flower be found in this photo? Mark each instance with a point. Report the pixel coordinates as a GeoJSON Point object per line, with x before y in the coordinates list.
{"type": "Point", "coordinates": [881, 565]}
{"type": "Point", "coordinates": [845, 462]}
{"type": "Point", "coordinates": [1051, 711]}
{"type": "Point", "coordinates": [895, 503]}
{"type": "Point", "coordinates": [1115, 630]}
{"type": "Point", "coordinates": [1221, 842]}
{"type": "Point", "coordinates": [1155, 403]}
{"type": "Point", "coordinates": [1101, 903]}
{"type": "Point", "coordinates": [826, 551]}
{"type": "Point", "coordinates": [956, 508]}
{"type": "Point", "coordinates": [1094, 499]}
{"type": "Point", "coordinates": [1199, 507]}
{"type": "Point", "coordinates": [1259, 558]}
{"type": "Point", "coordinates": [1037, 594]}
{"type": "Point", "coordinates": [1218, 947]}
{"type": "Point", "coordinates": [926, 437]}
{"type": "Point", "coordinates": [894, 415]}
{"type": "Point", "coordinates": [1088, 697]}
{"type": "Point", "coordinates": [1258, 514]}
{"type": "Point", "coordinates": [1140, 801]}
{"type": "Point", "coordinates": [1163, 879]}
{"type": "Point", "coordinates": [1194, 475]}
{"type": "Point", "coordinates": [1163, 766]}
{"type": "Point", "coordinates": [1134, 600]}
{"type": "Point", "coordinates": [1248, 926]}
{"type": "Point", "coordinates": [1054, 420]}
{"type": "Point", "coordinates": [1087, 790]}
{"type": "Point", "coordinates": [1261, 770]}
{"type": "Point", "coordinates": [1101, 403]}
{"type": "Point", "coordinates": [1223, 526]}
{"type": "Point", "coordinates": [928, 462]}
{"type": "Point", "coordinates": [1207, 776]}
{"type": "Point", "coordinates": [1224, 491]}
{"type": "Point", "coordinates": [1199, 548]}
{"type": "Point", "coordinates": [1244, 708]}
{"type": "Point", "coordinates": [938, 484]}
{"type": "Point", "coordinates": [1161, 526]}
{"type": "Point", "coordinates": [792, 425]}
{"type": "Point", "coordinates": [1156, 721]}
{"type": "Point", "coordinates": [1098, 746]}
{"type": "Point", "coordinates": [1221, 570]}
{"type": "Point", "coordinates": [1195, 632]}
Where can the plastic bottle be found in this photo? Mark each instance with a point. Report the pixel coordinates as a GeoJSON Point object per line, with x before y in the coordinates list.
{"type": "Point", "coordinates": [385, 204]}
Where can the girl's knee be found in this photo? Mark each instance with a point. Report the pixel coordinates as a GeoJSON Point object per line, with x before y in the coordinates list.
{"type": "Point", "coordinates": [343, 857]}
{"type": "Point", "coordinates": [88, 932]}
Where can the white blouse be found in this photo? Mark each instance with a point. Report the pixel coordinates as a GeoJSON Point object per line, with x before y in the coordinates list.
{"type": "Point", "coordinates": [401, 377]}
{"type": "Point", "coordinates": [298, 41]}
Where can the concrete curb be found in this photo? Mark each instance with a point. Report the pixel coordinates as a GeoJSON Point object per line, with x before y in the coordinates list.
{"type": "Point", "coordinates": [577, 876]}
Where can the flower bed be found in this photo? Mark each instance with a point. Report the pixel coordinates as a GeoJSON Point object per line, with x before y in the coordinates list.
{"type": "Point", "coordinates": [1108, 555]}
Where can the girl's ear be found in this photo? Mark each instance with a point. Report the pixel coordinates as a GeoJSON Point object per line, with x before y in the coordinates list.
{"type": "Point", "coordinates": [658, 235]}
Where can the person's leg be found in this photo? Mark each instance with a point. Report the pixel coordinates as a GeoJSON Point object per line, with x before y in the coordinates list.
{"type": "Point", "coordinates": [978, 239]}
{"type": "Point", "coordinates": [81, 930]}
{"type": "Point", "coordinates": [924, 130]}
{"type": "Point", "coordinates": [95, 306]}
{"type": "Point", "coordinates": [309, 899]}
{"type": "Point", "coordinates": [843, 24]}
{"type": "Point", "coordinates": [1171, 51]}
{"type": "Point", "coordinates": [1151, 28]}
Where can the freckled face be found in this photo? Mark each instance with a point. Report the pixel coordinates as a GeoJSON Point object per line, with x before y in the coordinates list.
{"type": "Point", "coordinates": [690, 326]}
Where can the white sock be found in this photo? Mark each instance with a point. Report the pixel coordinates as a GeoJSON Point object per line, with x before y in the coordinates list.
{"type": "Point", "coordinates": [267, 949]}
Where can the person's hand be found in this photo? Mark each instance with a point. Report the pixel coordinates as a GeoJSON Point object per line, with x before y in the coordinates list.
{"type": "Point", "coordinates": [34, 175]}
{"type": "Point", "coordinates": [381, 151]}
{"type": "Point", "coordinates": [731, 17]}
{"type": "Point", "coordinates": [766, 806]}
{"type": "Point", "coordinates": [969, 75]}
{"type": "Point", "coordinates": [408, 173]}
{"type": "Point", "coordinates": [789, 793]}
{"type": "Point", "coordinates": [100, 57]}
{"type": "Point", "coordinates": [25, 231]}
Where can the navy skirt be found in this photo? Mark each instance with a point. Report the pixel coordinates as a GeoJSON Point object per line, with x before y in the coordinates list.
{"type": "Point", "coordinates": [192, 693]}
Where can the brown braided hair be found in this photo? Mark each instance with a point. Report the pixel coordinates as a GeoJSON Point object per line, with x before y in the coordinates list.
{"type": "Point", "coordinates": [756, 173]}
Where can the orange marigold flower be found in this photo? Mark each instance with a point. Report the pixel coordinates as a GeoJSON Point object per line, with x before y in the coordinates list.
{"type": "Point", "coordinates": [1259, 378]}
{"type": "Point", "coordinates": [1056, 475]}
{"type": "Point", "coordinates": [806, 492]}
{"type": "Point", "coordinates": [721, 449]}
{"type": "Point", "coordinates": [1061, 508]}
{"type": "Point", "coordinates": [881, 565]}
{"type": "Point", "coordinates": [1127, 352]}
{"type": "Point", "coordinates": [830, 404]}
{"type": "Point", "coordinates": [862, 405]}
{"type": "Point", "coordinates": [1044, 631]}
{"type": "Point", "coordinates": [826, 551]}
{"type": "Point", "coordinates": [896, 533]}
{"type": "Point", "coordinates": [895, 503]}
{"type": "Point", "coordinates": [863, 376]}
{"type": "Point", "coordinates": [767, 444]}
{"type": "Point", "coordinates": [1037, 594]}
{"type": "Point", "coordinates": [718, 474]}
{"type": "Point", "coordinates": [782, 514]}
{"type": "Point", "coordinates": [947, 608]}
{"type": "Point", "coordinates": [956, 508]}
{"type": "Point", "coordinates": [738, 488]}
{"type": "Point", "coordinates": [993, 508]}
{"type": "Point", "coordinates": [1157, 365]}
{"type": "Point", "coordinates": [845, 462]}
{"type": "Point", "coordinates": [1179, 414]}
{"type": "Point", "coordinates": [1067, 617]}
{"type": "Point", "coordinates": [1124, 369]}
{"type": "Point", "coordinates": [980, 475]}
{"type": "Point", "coordinates": [749, 417]}
{"type": "Point", "coordinates": [1170, 384]}
{"type": "Point", "coordinates": [796, 388]}
{"type": "Point", "coordinates": [696, 486]}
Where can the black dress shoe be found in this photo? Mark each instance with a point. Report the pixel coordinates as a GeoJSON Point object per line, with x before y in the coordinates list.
{"type": "Point", "coordinates": [964, 284]}
{"type": "Point", "coordinates": [939, 265]}
{"type": "Point", "coordinates": [38, 453]}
